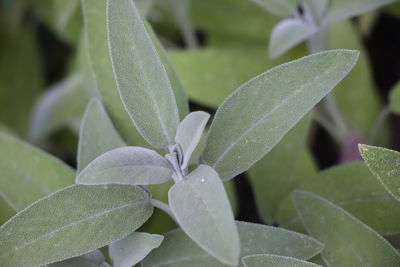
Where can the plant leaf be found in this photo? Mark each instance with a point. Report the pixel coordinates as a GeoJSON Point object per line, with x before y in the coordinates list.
{"type": "Point", "coordinates": [352, 187]}
{"type": "Point", "coordinates": [97, 134]}
{"type": "Point", "coordinates": [348, 241]}
{"type": "Point", "coordinates": [280, 8]}
{"type": "Point", "coordinates": [189, 133]}
{"type": "Point", "coordinates": [202, 209]}
{"type": "Point", "coordinates": [289, 33]}
{"type": "Point", "coordinates": [141, 78]}
{"type": "Point", "coordinates": [344, 9]}
{"type": "Point", "coordinates": [384, 164]}
{"type": "Point", "coordinates": [257, 115]}
{"type": "Point", "coordinates": [71, 222]}
{"type": "Point", "coordinates": [280, 169]}
{"type": "Point", "coordinates": [127, 165]}
{"type": "Point", "coordinates": [177, 86]}
{"type": "Point", "coordinates": [179, 250]}
{"type": "Point", "coordinates": [57, 106]}
{"type": "Point", "coordinates": [316, 8]}
{"type": "Point", "coordinates": [27, 174]}
{"type": "Point", "coordinates": [91, 259]}
{"type": "Point", "coordinates": [394, 99]}
{"type": "Point", "coordinates": [274, 260]}
{"type": "Point", "coordinates": [133, 248]}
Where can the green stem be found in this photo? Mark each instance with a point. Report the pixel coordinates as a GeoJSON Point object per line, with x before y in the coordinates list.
{"type": "Point", "coordinates": [180, 11]}
{"type": "Point", "coordinates": [163, 206]}
{"type": "Point", "coordinates": [378, 123]}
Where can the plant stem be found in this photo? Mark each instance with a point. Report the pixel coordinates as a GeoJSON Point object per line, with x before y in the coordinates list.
{"type": "Point", "coordinates": [380, 119]}
{"type": "Point", "coordinates": [328, 126]}
{"type": "Point", "coordinates": [163, 206]}
{"type": "Point", "coordinates": [180, 11]}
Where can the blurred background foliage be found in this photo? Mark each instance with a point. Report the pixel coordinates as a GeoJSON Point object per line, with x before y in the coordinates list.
{"type": "Point", "coordinates": [215, 46]}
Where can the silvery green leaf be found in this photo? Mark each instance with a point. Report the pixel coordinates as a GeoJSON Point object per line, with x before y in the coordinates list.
{"type": "Point", "coordinates": [289, 33]}
{"type": "Point", "coordinates": [132, 249]}
{"type": "Point", "coordinates": [144, 6]}
{"type": "Point", "coordinates": [344, 9]}
{"type": "Point", "coordinates": [257, 115]}
{"type": "Point", "coordinates": [97, 134]}
{"type": "Point", "coordinates": [354, 188]}
{"type": "Point", "coordinates": [91, 259]}
{"type": "Point", "coordinates": [280, 8]}
{"type": "Point", "coordinates": [178, 250]}
{"type": "Point", "coordinates": [189, 133]}
{"type": "Point", "coordinates": [348, 241]}
{"type": "Point", "coordinates": [177, 86]}
{"type": "Point", "coordinates": [316, 8]}
{"type": "Point", "coordinates": [127, 165]}
{"type": "Point", "coordinates": [141, 78]}
{"type": "Point", "coordinates": [394, 99]}
{"type": "Point", "coordinates": [57, 106]}
{"type": "Point", "coordinates": [280, 169]}
{"type": "Point", "coordinates": [27, 174]}
{"type": "Point", "coordinates": [263, 260]}
{"type": "Point", "coordinates": [96, 36]}
{"type": "Point", "coordinates": [72, 222]}
{"type": "Point", "coordinates": [201, 208]}
{"type": "Point", "coordinates": [384, 164]}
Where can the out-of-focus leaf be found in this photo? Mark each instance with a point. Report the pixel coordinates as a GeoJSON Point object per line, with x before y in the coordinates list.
{"type": "Point", "coordinates": [256, 116]}
{"type": "Point", "coordinates": [19, 56]}
{"type": "Point", "coordinates": [384, 164]}
{"type": "Point", "coordinates": [210, 75]}
{"type": "Point", "coordinates": [127, 165]}
{"type": "Point", "coordinates": [263, 260]}
{"type": "Point", "coordinates": [64, 17]}
{"type": "Point", "coordinates": [274, 176]}
{"type": "Point", "coordinates": [96, 34]}
{"type": "Point", "coordinates": [27, 174]}
{"type": "Point", "coordinates": [133, 248]}
{"type": "Point", "coordinates": [358, 87]}
{"type": "Point", "coordinates": [355, 189]}
{"type": "Point", "coordinates": [58, 106]}
{"type": "Point", "coordinates": [289, 33]}
{"type": "Point", "coordinates": [200, 200]}
{"type": "Point", "coordinates": [97, 134]}
{"type": "Point", "coordinates": [94, 215]}
{"type": "Point", "coordinates": [141, 78]}
{"type": "Point", "coordinates": [344, 9]}
{"type": "Point", "coordinates": [316, 8]}
{"type": "Point", "coordinates": [178, 250]}
{"type": "Point", "coordinates": [280, 8]}
{"type": "Point", "coordinates": [348, 241]}
{"type": "Point", "coordinates": [189, 133]}
{"type": "Point", "coordinates": [394, 99]}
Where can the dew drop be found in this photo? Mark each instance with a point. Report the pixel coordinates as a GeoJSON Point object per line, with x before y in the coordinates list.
{"type": "Point", "coordinates": [203, 180]}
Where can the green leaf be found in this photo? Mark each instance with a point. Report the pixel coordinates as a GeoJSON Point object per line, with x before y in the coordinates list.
{"type": "Point", "coordinates": [257, 115]}
{"type": "Point", "coordinates": [280, 8]}
{"type": "Point", "coordinates": [97, 134]}
{"type": "Point", "coordinates": [348, 241]}
{"type": "Point", "coordinates": [384, 164]}
{"type": "Point", "coordinates": [133, 248]}
{"type": "Point", "coordinates": [289, 33]}
{"type": "Point", "coordinates": [92, 259]}
{"type": "Point", "coordinates": [19, 53]}
{"type": "Point", "coordinates": [274, 260]}
{"type": "Point", "coordinates": [179, 250]}
{"type": "Point", "coordinates": [202, 209]}
{"type": "Point", "coordinates": [27, 174]}
{"type": "Point", "coordinates": [358, 86]}
{"type": "Point", "coordinates": [141, 78]}
{"type": "Point", "coordinates": [59, 105]}
{"type": "Point", "coordinates": [353, 188]}
{"type": "Point", "coordinates": [189, 133]}
{"type": "Point", "coordinates": [394, 99]}
{"type": "Point", "coordinates": [127, 165]}
{"type": "Point", "coordinates": [96, 35]}
{"type": "Point", "coordinates": [177, 86]}
{"type": "Point", "coordinates": [47, 231]}
{"type": "Point", "coordinates": [344, 9]}
{"type": "Point", "coordinates": [316, 8]}
{"type": "Point", "coordinates": [280, 169]}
